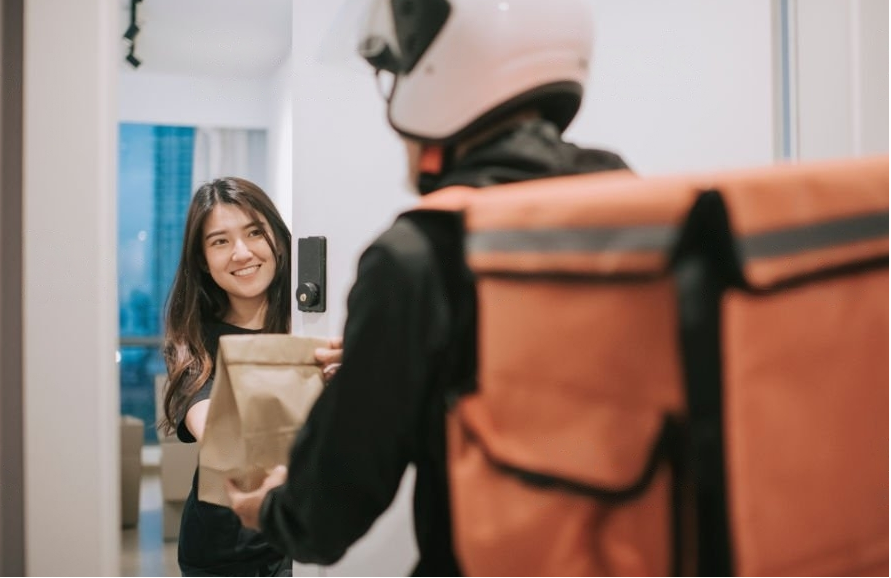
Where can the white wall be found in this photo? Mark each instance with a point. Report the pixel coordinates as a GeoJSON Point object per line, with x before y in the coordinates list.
{"type": "Point", "coordinates": [680, 86]}
{"type": "Point", "coordinates": [347, 164]}
{"type": "Point", "coordinates": [869, 55]}
{"type": "Point", "coordinates": [191, 100]}
{"type": "Point", "coordinates": [70, 314]}
{"type": "Point", "coordinates": [839, 102]}
{"type": "Point", "coordinates": [279, 141]}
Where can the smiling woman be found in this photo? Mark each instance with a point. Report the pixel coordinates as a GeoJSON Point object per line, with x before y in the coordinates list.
{"type": "Point", "coordinates": [233, 278]}
{"type": "Point", "coordinates": [234, 269]}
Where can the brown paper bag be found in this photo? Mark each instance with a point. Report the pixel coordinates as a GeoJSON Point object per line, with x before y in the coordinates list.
{"type": "Point", "coordinates": [263, 389]}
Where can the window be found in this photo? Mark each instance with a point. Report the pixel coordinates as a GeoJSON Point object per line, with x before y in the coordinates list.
{"type": "Point", "coordinates": [155, 183]}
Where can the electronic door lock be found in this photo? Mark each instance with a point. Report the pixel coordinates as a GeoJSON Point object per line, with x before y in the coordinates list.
{"type": "Point", "coordinates": [311, 274]}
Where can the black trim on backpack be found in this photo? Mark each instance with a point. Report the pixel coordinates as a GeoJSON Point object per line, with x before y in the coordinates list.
{"type": "Point", "coordinates": [662, 447]}
{"type": "Point", "coordinates": [699, 309]}
{"type": "Point", "coordinates": [703, 265]}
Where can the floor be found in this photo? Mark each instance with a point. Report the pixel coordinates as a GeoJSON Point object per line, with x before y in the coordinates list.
{"type": "Point", "coordinates": [145, 553]}
{"type": "Point", "coordinates": [143, 549]}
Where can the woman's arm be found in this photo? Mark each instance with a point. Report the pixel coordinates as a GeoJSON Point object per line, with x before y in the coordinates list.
{"type": "Point", "coordinates": [196, 418]}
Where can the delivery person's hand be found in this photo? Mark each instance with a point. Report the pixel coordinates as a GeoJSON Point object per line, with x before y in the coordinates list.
{"type": "Point", "coordinates": [246, 505]}
{"type": "Point", "coordinates": [329, 358]}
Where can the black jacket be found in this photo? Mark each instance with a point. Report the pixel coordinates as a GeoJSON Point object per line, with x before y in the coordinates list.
{"type": "Point", "coordinates": [384, 409]}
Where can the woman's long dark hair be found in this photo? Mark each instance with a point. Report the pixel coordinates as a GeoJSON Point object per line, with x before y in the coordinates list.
{"type": "Point", "coordinates": [196, 299]}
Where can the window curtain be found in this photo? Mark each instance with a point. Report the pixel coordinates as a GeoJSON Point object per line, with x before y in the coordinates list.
{"type": "Point", "coordinates": [229, 152]}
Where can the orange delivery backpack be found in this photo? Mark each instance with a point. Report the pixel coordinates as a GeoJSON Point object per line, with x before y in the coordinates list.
{"type": "Point", "coordinates": [674, 375]}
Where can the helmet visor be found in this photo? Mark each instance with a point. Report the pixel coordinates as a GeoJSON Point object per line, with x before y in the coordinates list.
{"type": "Point", "coordinates": [390, 35]}
{"type": "Point", "coordinates": [349, 26]}
{"type": "Point", "coordinates": [378, 43]}
{"type": "Point", "coordinates": [398, 32]}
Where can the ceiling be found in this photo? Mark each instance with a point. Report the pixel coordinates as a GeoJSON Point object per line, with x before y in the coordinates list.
{"type": "Point", "coordinates": [216, 38]}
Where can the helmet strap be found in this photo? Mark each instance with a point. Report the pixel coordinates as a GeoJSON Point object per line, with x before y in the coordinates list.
{"type": "Point", "coordinates": [435, 160]}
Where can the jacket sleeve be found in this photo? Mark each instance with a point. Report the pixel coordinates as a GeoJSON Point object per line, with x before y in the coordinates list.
{"type": "Point", "coordinates": [348, 459]}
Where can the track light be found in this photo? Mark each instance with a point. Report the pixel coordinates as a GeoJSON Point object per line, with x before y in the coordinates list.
{"type": "Point", "coordinates": [130, 35]}
{"type": "Point", "coordinates": [131, 32]}
{"type": "Point", "coordinates": [133, 29]}
{"type": "Point", "coordinates": [131, 58]}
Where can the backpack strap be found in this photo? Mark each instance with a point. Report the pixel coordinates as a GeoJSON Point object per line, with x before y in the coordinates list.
{"type": "Point", "coordinates": [439, 217]}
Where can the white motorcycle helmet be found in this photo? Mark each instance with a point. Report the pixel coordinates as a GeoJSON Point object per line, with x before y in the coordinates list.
{"type": "Point", "coordinates": [459, 65]}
